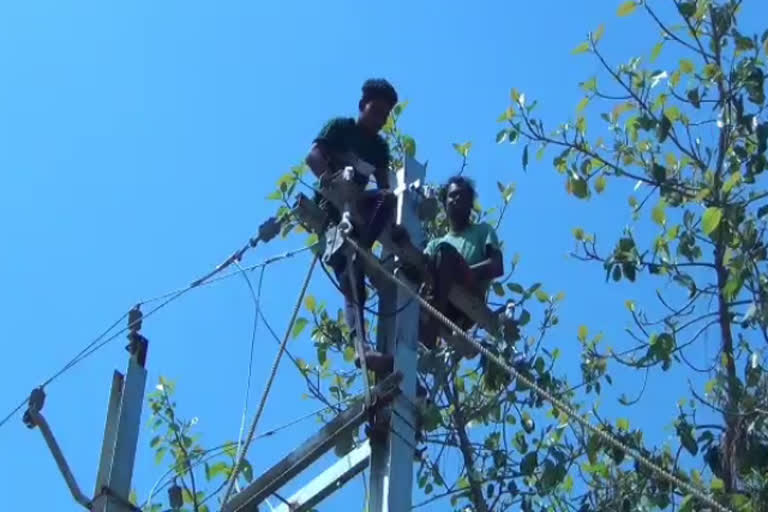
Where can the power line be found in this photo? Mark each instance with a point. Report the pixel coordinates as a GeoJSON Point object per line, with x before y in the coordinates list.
{"type": "Point", "coordinates": [169, 297]}
{"type": "Point", "coordinates": [256, 296]}
{"type": "Point", "coordinates": [265, 263]}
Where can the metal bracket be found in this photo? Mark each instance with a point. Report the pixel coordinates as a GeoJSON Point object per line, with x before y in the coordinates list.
{"type": "Point", "coordinates": [34, 418]}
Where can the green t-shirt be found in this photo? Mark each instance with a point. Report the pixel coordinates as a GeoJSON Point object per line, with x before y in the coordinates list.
{"type": "Point", "coordinates": [343, 134]}
{"type": "Point", "coordinates": [470, 243]}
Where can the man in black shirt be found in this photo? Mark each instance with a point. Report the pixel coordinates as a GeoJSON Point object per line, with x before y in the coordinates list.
{"type": "Point", "coordinates": [356, 142]}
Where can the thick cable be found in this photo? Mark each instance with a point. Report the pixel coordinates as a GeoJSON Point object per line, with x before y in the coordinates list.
{"type": "Point", "coordinates": [270, 380]}
{"type": "Point", "coordinates": [608, 438]}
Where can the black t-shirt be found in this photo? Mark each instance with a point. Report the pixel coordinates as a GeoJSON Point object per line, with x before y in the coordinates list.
{"type": "Point", "coordinates": [343, 135]}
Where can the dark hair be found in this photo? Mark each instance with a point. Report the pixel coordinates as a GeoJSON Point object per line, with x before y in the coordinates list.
{"type": "Point", "coordinates": [459, 181]}
{"type": "Point", "coordinates": [378, 89]}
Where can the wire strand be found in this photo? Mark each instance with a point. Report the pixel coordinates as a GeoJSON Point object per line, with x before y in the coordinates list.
{"type": "Point", "coordinates": [270, 381]}
{"type": "Point", "coordinates": [256, 296]}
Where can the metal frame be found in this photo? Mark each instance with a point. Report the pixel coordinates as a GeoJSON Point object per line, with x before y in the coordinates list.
{"type": "Point", "coordinates": [329, 480]}
{"type": "Point", "coordinates": [391, 479]}
{"type": "Point", "coordinates": [312, 449]}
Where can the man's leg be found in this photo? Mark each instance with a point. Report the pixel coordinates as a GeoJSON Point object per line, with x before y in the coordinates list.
{"type": "Point", "coordinates": [377, 207]}
{"type": "Point", "coordinates": [448, 268]}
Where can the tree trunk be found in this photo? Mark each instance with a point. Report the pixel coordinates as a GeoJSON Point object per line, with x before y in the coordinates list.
{"type": "Point", "coordinates": [475, 487]}
{"type": "Point", "coordinates": [729, 454]}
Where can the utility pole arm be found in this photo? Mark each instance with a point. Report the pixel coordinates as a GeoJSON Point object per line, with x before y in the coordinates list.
{"type": "Point", "coordinates": [34, 418]}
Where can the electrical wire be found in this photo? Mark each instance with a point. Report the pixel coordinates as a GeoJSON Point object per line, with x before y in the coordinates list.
{"type": "Point", "coordinates": [270, 380]}
{"type": "Point", "coordinates": [256, 296]}
{"type": "Point", "coordinates": [169, 297]}
{"type": "Point", "coordinates": [267, 262]}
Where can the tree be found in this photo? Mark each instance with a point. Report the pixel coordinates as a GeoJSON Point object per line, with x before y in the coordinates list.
{"type": "Point", "coordinates": [706, 199]}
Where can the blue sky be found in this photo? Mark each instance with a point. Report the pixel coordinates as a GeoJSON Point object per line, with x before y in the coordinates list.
{"type": "Point", "coordinates": [137, 144]}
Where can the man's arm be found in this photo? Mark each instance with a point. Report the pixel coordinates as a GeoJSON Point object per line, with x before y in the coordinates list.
{"type": "Point", "coordinates": [317, 161]}
{"type": "Point", "coordinates": [491, 267]}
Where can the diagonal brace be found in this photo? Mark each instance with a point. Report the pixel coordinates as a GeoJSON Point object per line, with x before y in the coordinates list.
{"type": "Point", "coordinates": [311, 450]}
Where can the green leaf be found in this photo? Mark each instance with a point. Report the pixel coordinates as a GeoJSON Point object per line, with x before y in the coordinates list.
{"type": "Point", "coordinates": [501, 136]}
{"type": "Point", "coordinates": [600, 184]}
{"type": "Point", "coordinates": [687, 504]}
{"type": "Point", "coordinates": [599, 33]}
{"type": "Point", "coordinates": [662, 132]}
{"type": "Point", "coordinates": [686, 438]}
{"type": "Point", "coordinates": [658, 213]}
{"type": "Point", "coordinates": [694, 98]}
{"type": "Point", "coordinates": [582, 48]}
{"type": "Point", "coordinates": [717, 485]}
{"type": "Point", "coordinates": [593, 448]}
{"type": "Point", "coordinates": [711, 219]}
{"type": "Point", "coordinates": [275, 196]}
{"type": "Point", "coordinates": [310, 303]}
{"type": "Point", "coordinates": [578, 187]}
{"type": "Point", "coordinates": [220, 468]}
{"type": "Point", "coordinates": [409, 146]}
{"type": "Point", "coordinates": [542, 296]}
{"type": "Point", "coordinates": [656, 50]}
{"type": "Point", "coordinates": [582, 105]}
{"type": "Point", "coordinates": [349, 354]}
{"type": "Point", "coordinates": [498, 289]}
{"type": "Point", "coordinates": [231, 450]}
{"type": "Point", "coordinates": [525, 157]}
{"type": "Point", "coordinates": [623, 424]}
{"type": "Point", "coordinates": [463, 149]}
{"type": "Point", "coordinates": [578, 233]}
{"type": "Point", "coordinates": [659, 173]}
{"type": "Point", "coordinates": [516, 288]}
{"type": "Point", "coordinates": [299, 326]}
{"type": "Point", "coordinates": [686, 66]}
{"type": "Point", "coordinates": [247, 471]}
{"type": "Point", "coordinates": [627, 8]}
{"type": "Point", "coordinates": [159, 454]}
{"type": "Point", "coordinates": [687, 9]}
{"type": "Point", "coordinates": [155, 441]}
{"type": "Point", "coordinates": [525, 317]}
{"type": "Point", "coordinates": [620, 109]}
{"type": "Point", "coordinates": [583, 332]}
{"type": "Point", "coordinates": [529, 463]}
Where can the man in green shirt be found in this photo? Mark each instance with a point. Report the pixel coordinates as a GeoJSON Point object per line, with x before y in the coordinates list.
{"type": "Point", "coordinates": [356, 142]}
{"type": "Point", "coordinates": [468, 255]}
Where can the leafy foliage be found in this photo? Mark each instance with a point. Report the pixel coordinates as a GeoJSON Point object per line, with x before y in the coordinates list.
{"type": "Point", "coordinates": [191, 468]}
{"type": "Point", "coordinates": [703, 195]}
